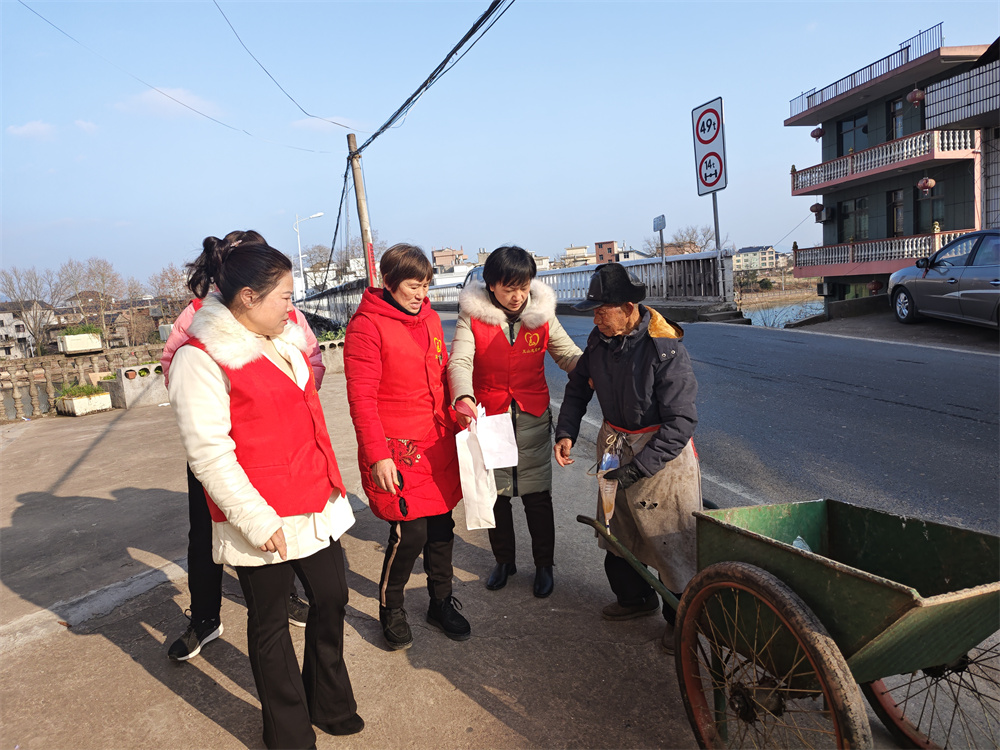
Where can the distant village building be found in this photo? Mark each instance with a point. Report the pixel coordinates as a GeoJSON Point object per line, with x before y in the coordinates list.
{"type": "Point", "coordinates": [578, 255]}
{"type": "Point", "coordinates": [15, 341]}
{"type": "Point", "coordinates": [448, 257]}
{"type": "Point", "coordinates": [752, 258]}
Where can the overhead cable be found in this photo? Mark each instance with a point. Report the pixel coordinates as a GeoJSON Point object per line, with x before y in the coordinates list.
{"type": "Point", "coordinates": [164, 93]}
{"type": "Point", "coordinates": [492, 14]}
{"type": "Point", "coordinates": [280, 87]}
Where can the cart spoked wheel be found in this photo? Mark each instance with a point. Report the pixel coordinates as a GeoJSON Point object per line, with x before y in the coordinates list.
{"type": "Point", "coordinates": [952, 705]}
{"type": "Point", "coordinates": [758, 669]}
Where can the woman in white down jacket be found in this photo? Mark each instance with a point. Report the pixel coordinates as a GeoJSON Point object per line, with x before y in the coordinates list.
{"type": "Point", "coordinates": [253, 429]}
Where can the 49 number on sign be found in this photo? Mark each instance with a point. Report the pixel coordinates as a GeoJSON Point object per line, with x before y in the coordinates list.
{"type": "Point", "coordinates": [709, 132]}
{"type": "Point", "coordinates": [708, 126]}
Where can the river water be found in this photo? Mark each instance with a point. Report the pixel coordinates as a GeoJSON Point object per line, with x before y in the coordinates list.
{"type": "Point", "coordinates": [779, 315]}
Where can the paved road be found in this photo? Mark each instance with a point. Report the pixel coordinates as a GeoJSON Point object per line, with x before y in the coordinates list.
{"type": "Point", "coordinates": [789, 415]}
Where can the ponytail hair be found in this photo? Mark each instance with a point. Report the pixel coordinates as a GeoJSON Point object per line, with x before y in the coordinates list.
{"type": "Point", "coordinates": [238, 260]}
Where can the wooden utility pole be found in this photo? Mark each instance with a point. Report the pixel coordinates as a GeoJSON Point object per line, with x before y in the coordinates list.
{"type": "Point", "coordinates": [359, 193]}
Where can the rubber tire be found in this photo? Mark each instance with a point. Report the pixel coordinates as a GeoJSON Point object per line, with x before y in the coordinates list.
{"type": "Point", "coordinates": [902, 298]}
{"type": "Point", "coordinates": [977, 686]}
{"type": "Point", "coordinates": [847, 718]}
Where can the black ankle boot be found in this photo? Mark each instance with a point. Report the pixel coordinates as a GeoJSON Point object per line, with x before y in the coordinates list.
{"type": "Point", "coordinates": [543, 581]}
{"type": "Point", "coordinates": [443, 614]}
{"type": "Point", "coordinates": [498, 578]}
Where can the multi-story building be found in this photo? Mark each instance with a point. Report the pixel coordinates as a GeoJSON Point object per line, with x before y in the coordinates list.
{"type": "Point", "coordinates": [447, 257]}
{"type": "Point", "coordinates": [578, 255]}
{"type": "Point", "coordinates": [613, 252]}
{"type": "Point", "coordinates": [890, 188]}
{"type": "Point", "coordinates": [15, 341]}
{"type": "Point", "coordinates": [757, 257]}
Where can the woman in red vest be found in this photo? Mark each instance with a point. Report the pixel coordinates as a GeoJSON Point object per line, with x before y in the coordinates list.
{"type": "Point", "coordinates": [505, 326]}
{"type": "Point", "coordinates": [245, 399]}
{"type": "Point", "coordinates": [394, 362]}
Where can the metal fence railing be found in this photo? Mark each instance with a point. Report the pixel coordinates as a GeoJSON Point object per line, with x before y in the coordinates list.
{"type": "Point", "coordinates": [694, 276]}
{"type": "Point", "coordinates": [914, 47]}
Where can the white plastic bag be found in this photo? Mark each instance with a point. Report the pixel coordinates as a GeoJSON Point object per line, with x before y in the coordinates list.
{"type": "Point", "coordinates": [479, 486]}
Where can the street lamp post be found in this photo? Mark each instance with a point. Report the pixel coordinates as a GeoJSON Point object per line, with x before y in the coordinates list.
{"type": "Point", "coordinates": [298, 238]}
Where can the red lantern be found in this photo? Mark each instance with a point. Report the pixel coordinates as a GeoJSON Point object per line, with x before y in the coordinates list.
{"type": "Point", "coordinates": [915, 97]}
{"type": "Point", "coordinates": [817, 133]}
{"type": "Point", "coordinates": [816, 207]}
{"type": "Point", "coordinates": [926, 184]}
{"type": "Point", "coordinates": [874, 286]}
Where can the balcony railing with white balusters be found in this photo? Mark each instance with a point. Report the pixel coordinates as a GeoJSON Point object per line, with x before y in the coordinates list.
{"type": "Point", "coordinates": [874, 251]}
{"type": "Point", "coordinates": [916, 150]}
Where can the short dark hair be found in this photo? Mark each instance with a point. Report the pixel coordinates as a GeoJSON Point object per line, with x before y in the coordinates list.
{"type": "Point", "coordinates": [508, 265]}
{"type": "Point", "coordinates": [401, 262]}
{"type": "Point", "coordinates": [240, 259]}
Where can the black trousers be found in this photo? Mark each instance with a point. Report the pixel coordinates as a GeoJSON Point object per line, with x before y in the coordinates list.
{"type": "Point", "coordinates": [541, 528]}
{"type": "Point", "coordinates": [629, 587]}
{"type": "Point", "coordinates": [434, 536]}
{"type": "Point", "coordinates": [292, 700]}
{"type": "Point", "coordinates": [204, 574]}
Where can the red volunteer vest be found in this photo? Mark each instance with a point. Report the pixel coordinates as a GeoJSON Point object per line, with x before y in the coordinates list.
{"type": "Point", "coordinates": [281, 438]}
{"type": "Point", "coordinates": [502, 372]}
{"type": "Point", "coordinates": [411, 399]}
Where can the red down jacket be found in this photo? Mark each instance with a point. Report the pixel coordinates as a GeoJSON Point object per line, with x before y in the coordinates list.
{"type": "Point", "coordinates": [397, 390]}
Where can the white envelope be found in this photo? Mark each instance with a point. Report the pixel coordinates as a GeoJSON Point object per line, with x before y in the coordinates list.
{"type": "Point", "coordinates": [496, 438]}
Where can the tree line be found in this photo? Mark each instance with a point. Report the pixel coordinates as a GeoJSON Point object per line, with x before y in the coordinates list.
{"type": "Point", "coordinates": [92, 289]}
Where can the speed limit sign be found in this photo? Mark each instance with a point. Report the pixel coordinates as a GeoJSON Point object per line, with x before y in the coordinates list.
{"type": "Point", "coordinates": [709, 147]}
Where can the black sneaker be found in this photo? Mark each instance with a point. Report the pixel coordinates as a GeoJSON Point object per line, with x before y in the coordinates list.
{"type": "Point", "coordinates": [197, 635]}
{"type": "Point", "coordinates": [443, 614]}
{"type": "Point", "coordinates": [395, 628]}
{"type": "Point", "coordinates": [298, 611]}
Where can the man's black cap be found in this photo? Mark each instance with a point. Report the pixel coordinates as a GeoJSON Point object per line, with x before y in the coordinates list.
{"type": "Point", "coordinates": [611, 284]}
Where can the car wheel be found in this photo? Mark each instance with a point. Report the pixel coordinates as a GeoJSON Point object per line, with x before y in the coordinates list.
{"type": "Point", "coordinates": [902, 305]}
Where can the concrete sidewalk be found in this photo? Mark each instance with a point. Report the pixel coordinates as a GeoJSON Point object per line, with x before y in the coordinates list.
{"type": "Point", "coordinates": [93, 525]}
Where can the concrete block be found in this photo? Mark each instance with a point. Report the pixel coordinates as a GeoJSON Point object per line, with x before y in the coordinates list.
{"type": "Point", "coordinates": [77, 406]}
{"type": "Point", "coordinates": [138, 389]}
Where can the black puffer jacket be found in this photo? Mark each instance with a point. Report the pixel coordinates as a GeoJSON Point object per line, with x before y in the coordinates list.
{"type": "Point", "coordinates": [642, 379]}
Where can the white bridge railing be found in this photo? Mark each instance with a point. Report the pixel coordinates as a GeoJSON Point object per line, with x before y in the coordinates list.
{"type": "Point", "coordinates": [693, 276]}
{"type": "Point", "coordinates": [922, 144]}
{"type": "Point", "coordinates": [870, 251]}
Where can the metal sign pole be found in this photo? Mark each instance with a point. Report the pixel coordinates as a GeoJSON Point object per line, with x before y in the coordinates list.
{"type": "Point", "coordinates": [718, 247]}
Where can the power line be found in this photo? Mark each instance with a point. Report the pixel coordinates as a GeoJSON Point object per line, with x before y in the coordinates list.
{"type": "Point", "coordinates": [443, 67]}
{"type": "Point", "coordinates": [280, 87]}
{"type": "Point", "coordinates": [164, 93]}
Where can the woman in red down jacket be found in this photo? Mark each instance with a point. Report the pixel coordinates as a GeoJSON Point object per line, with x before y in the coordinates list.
{"type": "Point", "coordinates": [395, 362]}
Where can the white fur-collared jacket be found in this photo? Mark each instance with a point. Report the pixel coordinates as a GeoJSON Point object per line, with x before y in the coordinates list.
{"type": "Point", "coordinates": [533, 471]}
{"type": "Point", "coordinates": [199, 394]}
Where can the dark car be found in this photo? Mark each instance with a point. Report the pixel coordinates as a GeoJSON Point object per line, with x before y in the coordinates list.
{"type": "Point", "coordinates": [961, 281]}
{"type": "Point", "coordinates": [475, 274]}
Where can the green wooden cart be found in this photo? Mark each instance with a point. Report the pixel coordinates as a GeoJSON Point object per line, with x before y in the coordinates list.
{"type": "Point", "coordinates": [775, 644]}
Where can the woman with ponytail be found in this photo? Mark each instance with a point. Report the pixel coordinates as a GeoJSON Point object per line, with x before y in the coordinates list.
{"type": "Point", "coordinates": [204, 574]}
{"type": "Point", "coordinates": [250, 420]}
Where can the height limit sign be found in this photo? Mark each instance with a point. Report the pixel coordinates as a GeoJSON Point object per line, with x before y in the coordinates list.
{"type": "Point", "coordinates": [709, 147]}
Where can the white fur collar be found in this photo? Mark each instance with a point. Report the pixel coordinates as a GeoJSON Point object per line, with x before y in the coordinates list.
{"type": "Point", "coordinates": [475, 301]}
{"type": "Point", "coordinates": [228, 341]}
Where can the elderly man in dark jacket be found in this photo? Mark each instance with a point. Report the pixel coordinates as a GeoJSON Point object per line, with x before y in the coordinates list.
{"type": "Point", "coordinates": [642, 374]}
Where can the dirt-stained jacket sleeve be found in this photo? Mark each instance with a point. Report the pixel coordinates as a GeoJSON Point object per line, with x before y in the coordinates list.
{"type": "Point", "coordinates": [199, 394]}
{"type": "Point", "coordinates": [463, 354]}
{"type": "Point", "coordinates": [675, 391]}
{"type": "Point", "coordinates": [575, 399]}
{"type": "Point", "coordinates": [363, 372]}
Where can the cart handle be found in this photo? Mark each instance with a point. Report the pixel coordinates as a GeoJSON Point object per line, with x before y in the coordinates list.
{"type": "Point", "coordinates": [665, 593]}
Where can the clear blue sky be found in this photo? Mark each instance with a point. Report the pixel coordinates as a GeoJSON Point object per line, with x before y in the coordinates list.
{"type": "Point", "coordinates": [569, 123]}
